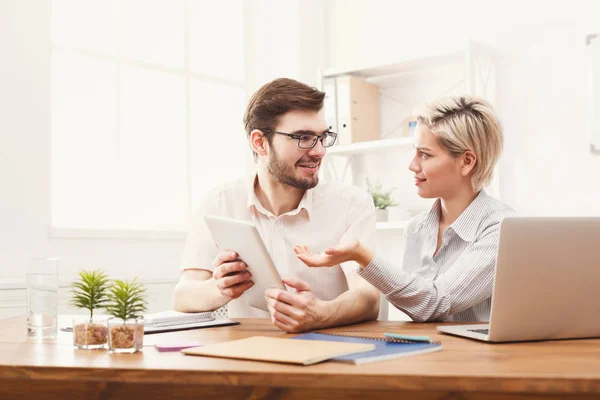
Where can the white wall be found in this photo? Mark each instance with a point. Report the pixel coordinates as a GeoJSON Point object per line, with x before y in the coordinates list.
{"type": "Point", "coordinates": [283, 39]}
{"type": "Point", "coordinates": [24, 127]}
{"type": "Point", "coordinates": [547, 168]}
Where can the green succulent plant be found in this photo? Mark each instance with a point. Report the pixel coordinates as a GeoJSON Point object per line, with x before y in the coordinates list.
{"type": "Point", "coordinates": [126, 299]}
{"type": "Point", "coordinates": [381, 198]}
{"type": "Point", "coordinates": [90, 290]}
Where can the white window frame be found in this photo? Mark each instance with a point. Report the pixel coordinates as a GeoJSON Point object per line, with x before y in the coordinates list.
{"type": "Point", "coordinates": [188, 75]}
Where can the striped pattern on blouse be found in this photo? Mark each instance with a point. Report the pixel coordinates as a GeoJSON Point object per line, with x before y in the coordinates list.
{"type": "Point", "coordinates": [456, 283]}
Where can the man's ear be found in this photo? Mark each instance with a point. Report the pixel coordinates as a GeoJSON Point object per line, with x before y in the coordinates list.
{"type": "Point", "coordinates": [259, 142]}
{"type": "Point", "coordinates": [469, 159]}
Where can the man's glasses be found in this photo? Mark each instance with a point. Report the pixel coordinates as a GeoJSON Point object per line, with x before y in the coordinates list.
{"type": "Point", "coordinates": [308, 141]}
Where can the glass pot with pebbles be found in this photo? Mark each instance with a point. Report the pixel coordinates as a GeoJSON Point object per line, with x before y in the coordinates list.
{"type": "Point", "coordinates": [89, 292]}
{"type": "Point", "coordinates": [126, 303]}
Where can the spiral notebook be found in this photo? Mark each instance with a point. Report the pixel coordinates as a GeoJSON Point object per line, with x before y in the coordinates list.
{"type": "Point", "coordinates": [170, 321]}
{"type": "Point", "coordinates": [385, 348]}
{"type": "Point", "coordinates": [170, 318]}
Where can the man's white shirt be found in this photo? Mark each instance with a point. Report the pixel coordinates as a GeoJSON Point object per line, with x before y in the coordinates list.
{"type": "Point", "coordinates": [329, 214]}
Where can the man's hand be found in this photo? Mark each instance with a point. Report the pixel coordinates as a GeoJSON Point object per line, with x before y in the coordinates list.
{"type": "Point", "coordinates": [295, 312]}
{"type": "Point", "coordinates": [329, 257]}
{"type": "Point", "coordinates": [231, 275]}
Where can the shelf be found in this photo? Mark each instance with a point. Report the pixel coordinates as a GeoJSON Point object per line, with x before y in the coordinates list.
{"type": "Point", "coordinates": [373, 146]}
{"type": "Point", "coordinates": [416, 63]}
{"type": "Point", "coordinates": [393, 225]}
{"type": "Point", "coordinates": [427, 56]}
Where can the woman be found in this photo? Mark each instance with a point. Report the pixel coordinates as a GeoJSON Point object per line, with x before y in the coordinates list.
{"type": "Point", "coordinates": [450, 254]}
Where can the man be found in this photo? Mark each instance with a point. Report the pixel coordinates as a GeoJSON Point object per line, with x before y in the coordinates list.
{"type": "Point", "coordinates": [288, 135]}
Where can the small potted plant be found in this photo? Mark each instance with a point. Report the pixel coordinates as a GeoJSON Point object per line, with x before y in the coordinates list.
{"type": "Point", "coordinates": [126, 303]}
{"type": "Point", "coordinates": [89, 292]}
{"type": "Point", "coordinates": [382, 200]}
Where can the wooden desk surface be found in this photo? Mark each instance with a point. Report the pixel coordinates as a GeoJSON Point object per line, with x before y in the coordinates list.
{"type": "Point", "coordinates": [464, 368]}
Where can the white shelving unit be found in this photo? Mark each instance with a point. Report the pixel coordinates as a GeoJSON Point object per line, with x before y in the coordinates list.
{"type": "Point", "coordinates": [410, 63]}
{"type": "Point", "coordinates": [474, 57]}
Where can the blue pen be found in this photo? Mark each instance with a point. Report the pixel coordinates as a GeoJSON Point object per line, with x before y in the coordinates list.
{"type": "Point", "coordinates": [407, 337]}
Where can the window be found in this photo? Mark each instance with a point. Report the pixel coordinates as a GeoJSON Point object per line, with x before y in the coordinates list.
{"type": "Point", "coordinates": [147, 105]}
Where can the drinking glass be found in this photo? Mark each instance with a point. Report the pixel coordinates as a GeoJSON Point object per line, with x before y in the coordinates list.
{"type": "Point", "coordinates": [42, 298]}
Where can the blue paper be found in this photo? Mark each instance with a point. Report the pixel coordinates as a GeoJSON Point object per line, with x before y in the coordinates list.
{"type": "Point", "coordinates": [384, 349]}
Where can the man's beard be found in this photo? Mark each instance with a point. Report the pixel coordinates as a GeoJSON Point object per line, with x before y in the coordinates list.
{"type": "Point", "coordinates": [287, 175]}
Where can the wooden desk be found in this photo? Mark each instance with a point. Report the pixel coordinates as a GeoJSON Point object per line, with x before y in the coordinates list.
{"type": "Point", "coordinates": [464, 369]}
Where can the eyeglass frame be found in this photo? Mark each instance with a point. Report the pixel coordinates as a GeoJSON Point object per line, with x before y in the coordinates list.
{"type": "Point", "coordinates": [320, 137]}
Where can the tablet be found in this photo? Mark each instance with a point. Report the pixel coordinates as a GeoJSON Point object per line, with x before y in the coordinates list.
{"type": "Point", "coordinates": [243, 238]}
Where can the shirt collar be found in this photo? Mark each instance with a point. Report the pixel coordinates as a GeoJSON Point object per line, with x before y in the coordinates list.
{"type": "Point", "coordinates": [430, 221]}
{"type": "Point", "coordinates": [466, 224]}
{"type": "Point", "coordinates": [306, 202]}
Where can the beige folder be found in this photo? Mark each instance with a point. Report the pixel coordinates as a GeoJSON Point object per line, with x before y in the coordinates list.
{"type": "Point", "coordinates": [261, 348]}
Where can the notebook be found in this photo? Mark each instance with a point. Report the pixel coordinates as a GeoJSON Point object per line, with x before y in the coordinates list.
{"type": "Point", "coordinates": [169, 321]}
{"type": "Point", "coordinates": [270, 349]}
{"type": "Point", "coordinates": [385, 348]}
{"type": "Point", "coordinates": [167, 318]}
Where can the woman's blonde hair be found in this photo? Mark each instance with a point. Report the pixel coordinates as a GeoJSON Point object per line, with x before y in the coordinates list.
{"type": "Point", "coordinates": [464, 123]}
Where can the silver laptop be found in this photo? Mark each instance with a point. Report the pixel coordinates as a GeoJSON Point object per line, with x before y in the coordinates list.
{"type": "Point", "coordinates": [547, 282]}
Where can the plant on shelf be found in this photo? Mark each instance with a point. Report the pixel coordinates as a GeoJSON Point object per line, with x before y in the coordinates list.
{"type": "Point", "coordinates": [126, 303]}
{"type": "Point", "coordinates": [382, 199]}
{"type": "Point", "coordinates": [89, 292]}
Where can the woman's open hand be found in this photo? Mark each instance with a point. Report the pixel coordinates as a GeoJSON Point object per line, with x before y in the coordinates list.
{"type": "Point", "coordinates": [329, 257]}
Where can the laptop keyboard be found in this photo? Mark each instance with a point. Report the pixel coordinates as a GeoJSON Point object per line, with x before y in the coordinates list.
{"type": "Point", "coordinates": [483, 331]}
